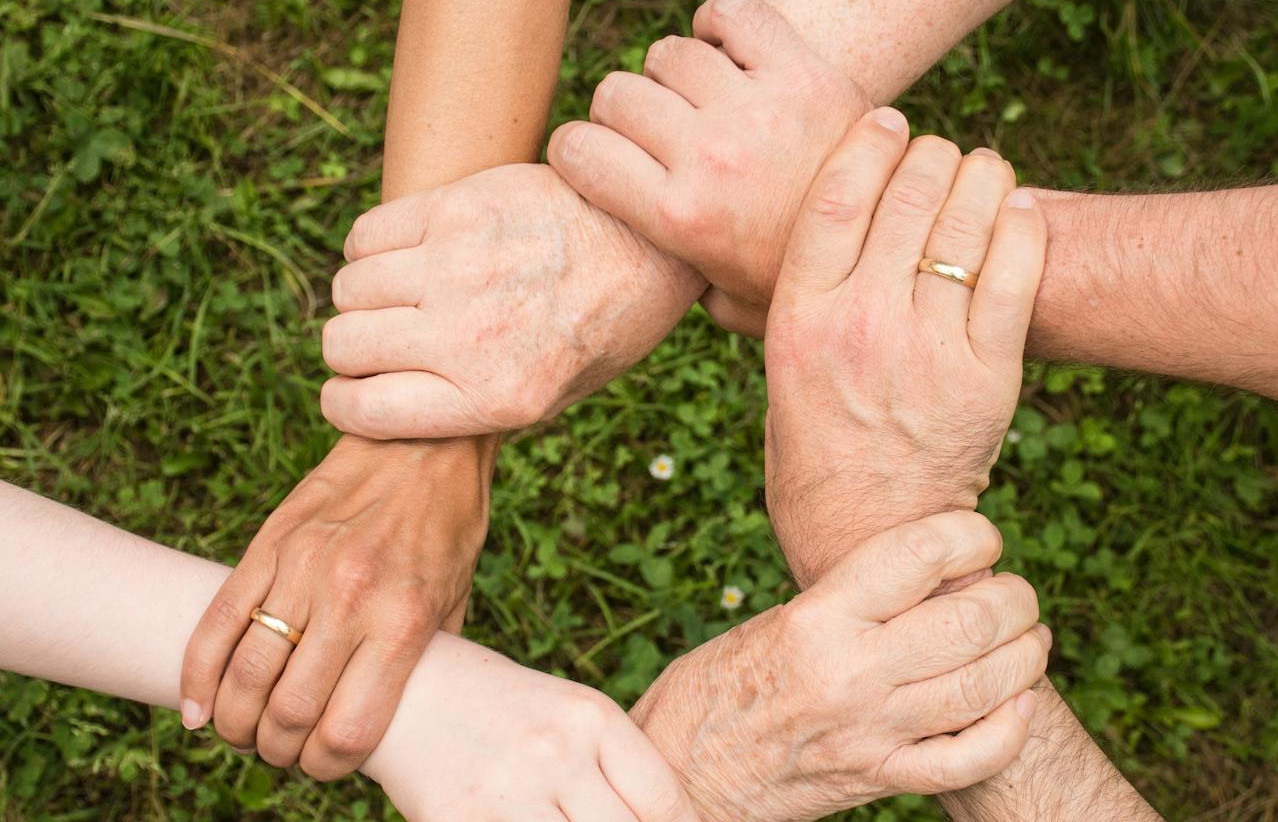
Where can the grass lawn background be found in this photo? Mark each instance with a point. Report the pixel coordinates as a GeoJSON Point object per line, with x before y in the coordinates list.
{"type": "Point", "coordinates": [172, 205]}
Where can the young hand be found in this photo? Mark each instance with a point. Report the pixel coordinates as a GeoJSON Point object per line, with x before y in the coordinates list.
{"type": "Point", "coordinates": [852, 690]}
{"type": "Point", "coordinates": [370, 553]}
{"type": "Point", "coordinates": [710, 152]}
{"type": "Point", "coordinates": [479, 737]}
{"type": "Point", "coordinates": [891, 389]}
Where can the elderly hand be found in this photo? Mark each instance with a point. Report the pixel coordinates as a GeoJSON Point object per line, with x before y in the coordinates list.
{"type": "Point", "coordinates": [850, 692]}
{"type": "Point", "coordinates": [891, 390]}
{"type": "Point", "coordinates": [488, 305]}
{"type": "Point", "coordinates": [709, 154]}
{"type": "Point", "coordinates": [478, 737]}
{"type": "Point", "coordinates": [367, 556]}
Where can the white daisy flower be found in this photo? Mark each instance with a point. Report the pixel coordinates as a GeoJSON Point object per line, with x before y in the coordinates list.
{"type": "Point", "coordinates": [732, 597]}
{"type": "Point", "coordinates": [1013, 436]}
{"type": "Point", "coordinates": [662, 467]}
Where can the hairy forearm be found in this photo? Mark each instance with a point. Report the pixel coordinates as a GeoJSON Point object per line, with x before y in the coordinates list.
{"type": "Point", "coordinates": [1175, 284]}
{"type": "Point", "coordinates": [1060, 776]}
{"type": "Point", "coordinates": [885, 45]}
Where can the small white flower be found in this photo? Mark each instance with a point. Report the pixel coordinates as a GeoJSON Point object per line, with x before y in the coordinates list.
{"type": "Point", "coordinates": [732, 597]}
{"type": "Point", "coordinates": [662, 467]}
{"type": "Point", "coordinates": [1013, 436]}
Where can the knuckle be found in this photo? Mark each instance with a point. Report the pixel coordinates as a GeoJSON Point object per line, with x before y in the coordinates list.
{"type": "Point", "coordinates": [974, 622]}
{"type": "Point", "coordinates": [1020, 594]}
{"type": "Point", "coordinates": [294, 710]}
{"type": "Point", "coordinates": [252, 669]}
{"type": "Point", "coordinates": [971, 532]}
{"type": "Point", "coordinates": [724, 157]}
{"type": "Point", "coordinates": [347, 738]}
{"type": "Point", "coordinates": [914, 194]}
{"type": "Point", "coordinates": [961, 224]}
{"type": "Point", "coordinates": [740, 12]}
{"type": "Point", "coordinates": [683, 216]}
{"type": "Point", "coordinates": [976, 692]}
{"type": "Point", "coordinates": [923, 543]}
{"type": "Point", "coordinates": [226, 613]}
{"type": "Point", "coordinates": [660, 52]}
{"type": "Point", "coordinates": [353, 578]}
{"type": "Point", "coordinates": [837, 198]}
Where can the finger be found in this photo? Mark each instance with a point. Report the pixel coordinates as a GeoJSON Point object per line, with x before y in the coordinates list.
{"type": "Point", "coordinates": [362, 343]}
{"type": "Point", "coordinates": [945, 763]}
{"type": "Point", "coordinates": [692, 69]}
{"type": "Point", "coordinates": [955, 700]}
{"type": "Point", "coordinates": [652, 117]}
{"type": "Point", "coordinates": [905, 216]}
{"type": "Point", "coordinates": [640, 775]}
{"type": "Point", "coordinates": [891, 573]}
{"type": "Point", "coordinates": [595, 801]}
{"type": "Point", "coordinates": [401, 223]}
{"type": "Point", "coordinates": [361, 707]}
{"type": "Point", "coordinates": [752, 32]}
{"type": "Point", "coordinates": [736, 315]}
{"type": "Point", "coordinates": [610, 171]}
{"type": "Point", "coordinates": [961, 236]}
{"type": "Point", "coordinates": [643, 111]}
{"type": "Point", "coordinates": [254, 668]}
{"type": "Point", "coordinates": [945, 633]}
{"type": "Point", "coordinates": [1003, 303]}
{"type": "Point", "coordinates": [218, 632]}
{"type": "Point", "coordinates": [391, 278]}
{"type": "Point", "coordinates": [402, 405]}
{"type": "Point", "coordinates": [826, 241]}
{"type": "Point", "coordinates": [300, 696]}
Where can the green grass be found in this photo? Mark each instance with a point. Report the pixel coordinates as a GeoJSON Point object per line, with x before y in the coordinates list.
{"type": "Point", "coordinates": [171, 211]}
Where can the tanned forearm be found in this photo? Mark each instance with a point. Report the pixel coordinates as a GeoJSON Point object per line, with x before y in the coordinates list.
{"type": "Point", "coordinates": [471, 88]}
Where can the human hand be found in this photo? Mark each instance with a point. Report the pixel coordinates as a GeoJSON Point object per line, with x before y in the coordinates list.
{"type": "Point", "coordinates": [848, 693]}
{"type": "Point", "coordinates": [710, 152]}
{"type": "Point", "coordinates": [367, 556]}
{"type": "Point", "coordinates": [488, 305]}
{"type": "Point", "coordinates": [479, 737]}
{"type": "Point", "coordinates": [890, 390]}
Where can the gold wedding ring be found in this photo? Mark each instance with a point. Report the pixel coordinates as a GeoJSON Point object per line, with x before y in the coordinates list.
{"type": "Point", "coordinates": [956, 273]}
{"type": "Point", "coordinates": [277, 625]}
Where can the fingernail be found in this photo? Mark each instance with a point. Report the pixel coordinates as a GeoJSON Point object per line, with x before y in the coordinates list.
{"type": "Point", "coordinates": [337, 290]}
{"type": "Point", "coordinates": [1026, 703]}
{"type": "Point", "coordinates": [985, 152]}
{"type": "Point", "coordinates": [1020, 198]}
{"type": "Point", "coordinates": [241, 751]}
{"type": "Point", "coordinates": [1044, 633]}
{"type": "Point", "coordinates": [192, 715]}
{"type": "Point", "coordinates": [891, 119]}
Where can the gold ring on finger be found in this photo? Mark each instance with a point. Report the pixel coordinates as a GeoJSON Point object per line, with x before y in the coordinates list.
{"type": "Point", "coordinates": [949, 271]}
{"type": "Point", "coordinates": [276, 625]}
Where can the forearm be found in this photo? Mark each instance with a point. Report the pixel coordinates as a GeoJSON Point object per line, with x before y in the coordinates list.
{"type": "Point", "coordinates": [1175, 284]}
{"type": "Point", "coordinates": [471, 88]}
{"type": "Point", "coordinates": [885, 45]}
{"type": "Point", "coordinates": [88, 605]}
{"type": "Point", "coordinates": [1060, 775]}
